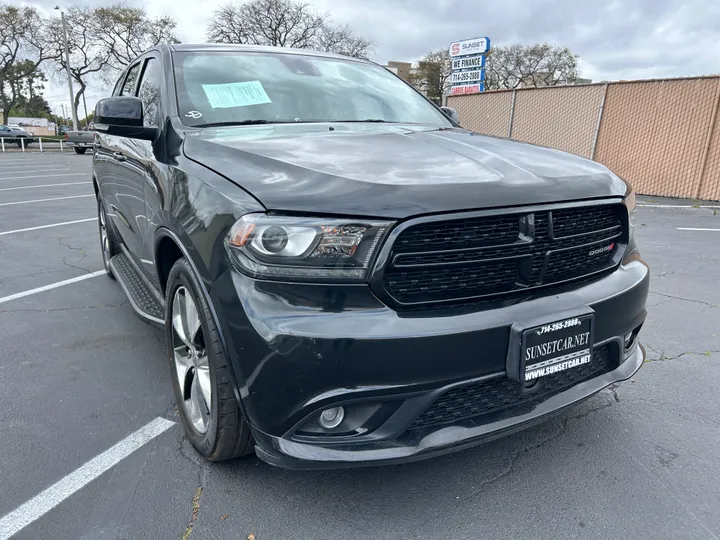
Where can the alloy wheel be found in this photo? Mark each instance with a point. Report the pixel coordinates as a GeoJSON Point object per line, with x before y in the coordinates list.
{"type": "Point", "coordinates": [104, 240]}
{"type": "Point", "coordinates": [191, 360]}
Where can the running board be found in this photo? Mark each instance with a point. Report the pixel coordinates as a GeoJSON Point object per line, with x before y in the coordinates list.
{"type": "Point", "coordinates": [140, 296]}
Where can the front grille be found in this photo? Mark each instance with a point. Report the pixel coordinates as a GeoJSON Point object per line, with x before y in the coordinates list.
{"type": "Point", "coordinates": [470, 258]}
{"type": "Point", "coordinates": [496, 395]}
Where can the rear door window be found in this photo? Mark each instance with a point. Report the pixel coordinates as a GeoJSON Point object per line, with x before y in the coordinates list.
{"type": "Point", "coordinates": [149, 91]}
{"type": "Point", "coordinates": [128, 88]}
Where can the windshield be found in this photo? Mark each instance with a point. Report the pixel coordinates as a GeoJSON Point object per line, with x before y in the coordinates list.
{"type": "Point", "coordinates": [237, 87]}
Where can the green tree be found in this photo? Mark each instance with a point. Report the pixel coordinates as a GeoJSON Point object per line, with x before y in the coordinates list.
{"type": "Point", "coordinates": [34, 107]}
{"type": "Point", "coordinates": [22, 50]}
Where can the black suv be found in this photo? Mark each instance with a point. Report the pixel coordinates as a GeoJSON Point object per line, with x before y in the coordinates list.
{"type": "Point", "coordinates": [344, 275]}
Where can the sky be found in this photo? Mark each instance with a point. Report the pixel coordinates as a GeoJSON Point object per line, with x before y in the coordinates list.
{"type": "Point", "coordinates": [615, 39]}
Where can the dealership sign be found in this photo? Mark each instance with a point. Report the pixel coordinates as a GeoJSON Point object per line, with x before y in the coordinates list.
{"type": "Point", "coordinates": [468, 65]}
{"type": "Point", "coordinates": [467, 47]}
{"type": "Point", "coordinates": [469, 62]}
{"type": "Point", "coordinates": [461, 89]}
{"type": "Point", "coordinates": [466, 77]}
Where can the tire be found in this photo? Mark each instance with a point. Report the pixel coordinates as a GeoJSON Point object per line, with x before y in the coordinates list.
{"type": "Point", "coordinates": [80, 151]}
{"type": "Point", "coordinates": [109, 244]}
{"type": "Point", "coordinates": [221, 432]}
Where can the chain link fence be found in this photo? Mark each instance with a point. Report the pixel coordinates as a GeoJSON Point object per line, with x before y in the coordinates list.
{"type": "Point", "coordinates": [663, 136]}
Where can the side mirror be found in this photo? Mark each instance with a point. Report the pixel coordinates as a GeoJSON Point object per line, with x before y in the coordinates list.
{"type": "Point", "coordinates": [123, 116]}
{"type": "Point", "coordinates": [451, 114]}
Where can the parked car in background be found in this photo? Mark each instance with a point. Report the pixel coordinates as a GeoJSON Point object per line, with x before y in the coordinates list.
{"type": "Point", "coordinates": [80, 141]}
{"type": "Point", "coordinates": [16, 136]}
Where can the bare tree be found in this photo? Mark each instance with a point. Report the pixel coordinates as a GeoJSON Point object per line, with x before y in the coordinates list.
{"type": "Point", "coordinates": [341, 40]}
{"type": "Point", "coordinates": [283, 23]}
{"type": "Point", "coordinates": [126, 32]}
{"type": "Point", "coordinates": [432, 74]}
{"type": "Point", "coordinates": [536, 65]}
{"type": "Point", "coordinates": [22, 50]}
{"type": "Point", "coordinates": [88, 55]}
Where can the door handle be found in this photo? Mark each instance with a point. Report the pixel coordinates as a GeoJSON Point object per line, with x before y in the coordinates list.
{"type": "Point", "coordinates": [119, 156]}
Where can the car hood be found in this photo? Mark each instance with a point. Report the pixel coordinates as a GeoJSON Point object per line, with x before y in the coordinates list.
{"type": "Point", "coordinates": [393, 171]}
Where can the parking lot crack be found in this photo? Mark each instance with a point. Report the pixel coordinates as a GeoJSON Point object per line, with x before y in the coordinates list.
{"type": "Point", "coordinates": [79, 250]}
{"type": "Point", "coordinates": [662, 357]}
{"type": "Point", "coordinates": [515, 456]}
{"type": "Point", "coordinates": [673, 297]}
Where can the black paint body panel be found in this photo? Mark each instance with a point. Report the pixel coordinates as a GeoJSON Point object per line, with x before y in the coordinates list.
{"type": "Point", "coordinates": [298, 348]}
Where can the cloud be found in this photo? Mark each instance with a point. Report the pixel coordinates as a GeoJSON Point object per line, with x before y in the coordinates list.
{"type": "Point", "coordinates": [616, 39]}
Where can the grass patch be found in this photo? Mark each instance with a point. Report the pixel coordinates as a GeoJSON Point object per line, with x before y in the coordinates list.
{"type": "Point", "coordinates": [196, 509]}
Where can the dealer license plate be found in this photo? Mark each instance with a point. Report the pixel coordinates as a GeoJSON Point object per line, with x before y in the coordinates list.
{"type": "Point", "coordinates": [555, 347]}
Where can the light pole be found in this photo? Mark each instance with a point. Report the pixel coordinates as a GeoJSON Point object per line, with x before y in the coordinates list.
{"type": "Point", "coordinates": [67, 68]}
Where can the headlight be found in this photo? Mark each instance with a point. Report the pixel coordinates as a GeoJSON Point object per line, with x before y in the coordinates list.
{"type": "Point", "coordinates": [631, 204]}
{"type": "Point", "coordinates": [284, 247]}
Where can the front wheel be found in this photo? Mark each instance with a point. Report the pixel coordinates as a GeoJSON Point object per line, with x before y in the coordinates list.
{"type": "Point", "coordinates": [108, 242]}
{"type": "Point", "coordinates": [200, 371]}
{"type": "Point", "coordinates": [80, 151]}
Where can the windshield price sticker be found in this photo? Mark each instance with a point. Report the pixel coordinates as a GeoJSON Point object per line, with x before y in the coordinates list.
{"type": "Point", "coordinates": [466, 76]}
{"type": "Point", "coordinates": [469, 62]}
{"type": "Point", "coordinates": [239, 94]}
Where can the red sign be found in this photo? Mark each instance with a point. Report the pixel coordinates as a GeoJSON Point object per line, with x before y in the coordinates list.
{"type": "Point", "coordinates": [454, 49]}
{"type": "Point", "coordinates": [467, 89]}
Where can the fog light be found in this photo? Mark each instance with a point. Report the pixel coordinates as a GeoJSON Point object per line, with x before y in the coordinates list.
{"type": "Point", "coordinates": [331, 418]}
{"type": "Point", "coordinates": [629, 339]}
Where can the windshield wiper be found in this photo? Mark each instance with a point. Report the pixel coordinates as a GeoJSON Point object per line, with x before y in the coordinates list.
{"type": "Point", "coordinates": [376, 120]}
{"type": "Point", "coordinates": [293, 121]}
{"type": "Point", "coordinates": [245, 123]}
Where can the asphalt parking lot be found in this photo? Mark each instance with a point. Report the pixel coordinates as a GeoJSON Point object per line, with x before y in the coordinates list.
{"type": "Point", "coordinates": [80, 373]}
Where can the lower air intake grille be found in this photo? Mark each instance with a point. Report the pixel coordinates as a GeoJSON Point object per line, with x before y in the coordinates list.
{"type": "Point", "coordinates": [494, 395]}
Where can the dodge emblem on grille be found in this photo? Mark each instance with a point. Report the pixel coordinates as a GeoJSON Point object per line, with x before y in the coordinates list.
{"type": "Point", "coordinates": [601, 250]}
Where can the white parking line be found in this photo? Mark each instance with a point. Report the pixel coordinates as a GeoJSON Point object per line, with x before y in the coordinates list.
{"type": "Point", "coordinates": [51, 286]}
{"type": "Point", "coordinates": [50, 175]}
{"type": "Point", "coordinates": [692, 229]}
{"type": "Point", "coordinates": [48, 226]}
{"type": "Point", "coordinates": [48, 499]}
{"type": "Point", "coordinates": [45, 185]}
{"type": "Point", "coordinates": [33, 163]}
{"type": "Point", "coordinates": [45, 200]}
{"type": "Point", "coordinates": [5, 161]}
{"type": "Point", "coordinates": [678, 206]}
{"type": "Point", "coordinates": [16, 168]}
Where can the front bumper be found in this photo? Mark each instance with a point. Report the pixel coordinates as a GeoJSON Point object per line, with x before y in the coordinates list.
{"type": "Point", "coordinates": [298, 349]}
{"type": "Point", "coordinates": [293, 455]}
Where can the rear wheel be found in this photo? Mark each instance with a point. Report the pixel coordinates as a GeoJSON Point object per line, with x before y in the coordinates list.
{"type": "Point", "coordinates": [200, 371]}
{"type": "Point", "coordinates": [108, 241]}
{"type": "Point", "coordinates": [80, 151]}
